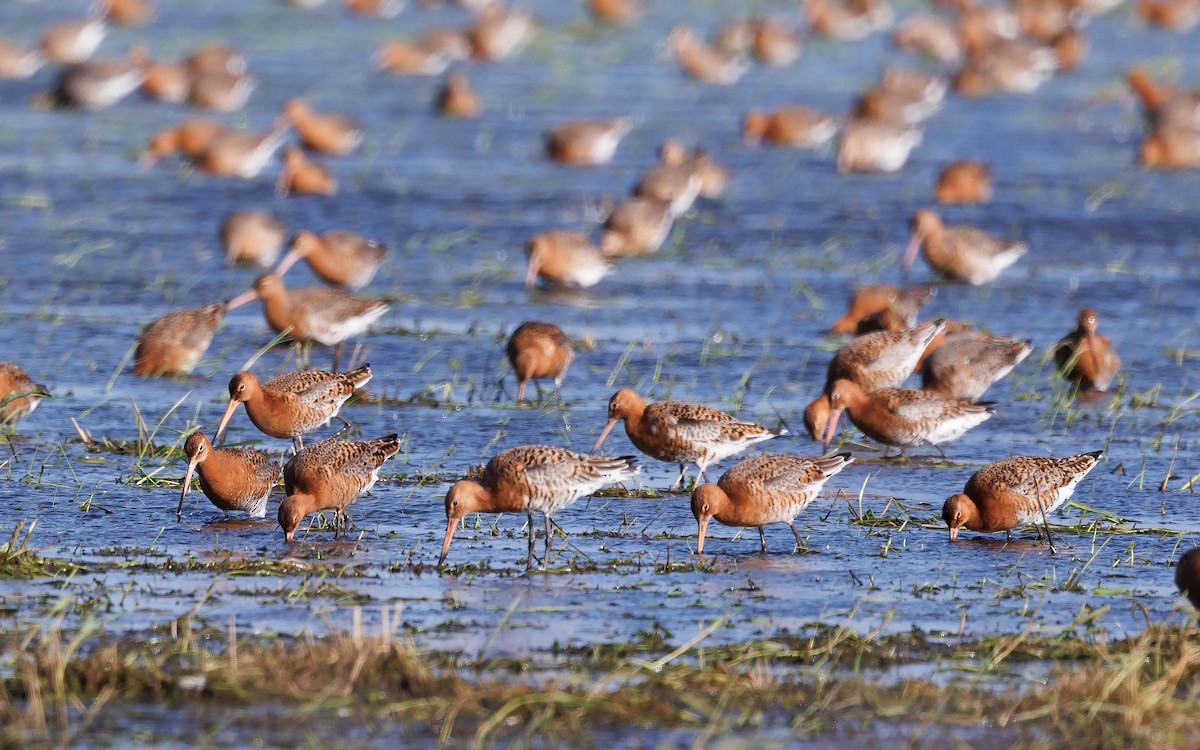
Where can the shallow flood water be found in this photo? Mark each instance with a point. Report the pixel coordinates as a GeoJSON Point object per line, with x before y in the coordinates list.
{"type": "Point", "coordinates": [731, 313]}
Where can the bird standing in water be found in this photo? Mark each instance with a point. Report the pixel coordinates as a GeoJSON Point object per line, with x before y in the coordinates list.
{"type": "Point", "coordinates": [330, 475]}
{"type": "Point", "coordinates": [680, 432]}
{"type": "Point", "coordinates": [295, 403]}
{"type": "Point", "coordinates": [233, 479]}
{"type": "Point", "coordinates": [532, 479]}
{"type": "Point", "coordinates": [1016, 491]}
{"type": "Point", "coordinates": [1085, 357]}
{"type": "Point", "coordinates": [762, 490]}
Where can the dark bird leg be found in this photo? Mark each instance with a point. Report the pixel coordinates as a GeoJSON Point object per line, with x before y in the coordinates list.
{"type": "Point", "coordinates": [1042, 507]}
{"type": "Point", "coordinates": [799, 543]}
{"type": "Point", "coordinates": [529, 559]}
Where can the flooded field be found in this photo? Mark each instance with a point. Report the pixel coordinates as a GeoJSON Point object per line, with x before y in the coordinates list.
{"type": "Point", "coordinates": [733, 312]}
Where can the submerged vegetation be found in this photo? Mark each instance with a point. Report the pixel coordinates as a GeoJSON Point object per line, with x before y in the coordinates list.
{"type": "Point", "coordinates": [17, 560]}
{"type": "Point", "coordinates": [1140, 691]}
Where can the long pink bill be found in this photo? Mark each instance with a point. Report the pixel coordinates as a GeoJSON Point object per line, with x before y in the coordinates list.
{"type": "Point", "coordinates": [451, 524]}
{"type": "Point", "coordinates": [531, 274]}
{"type": "Point", "coordinates": [603, 434]}
{"type": "Point", "coordinates": [241, 299]}
{"type": "Point", "coordinates": [187, 482]}
{"type": "Point", "coordinates": [910, 252]}
{"type": "Point", "coordinates": [289, 260]}
{"type": "Point", "coordinates": [233, 404]}
{"type": "Point", "coordinates": [832, 426]}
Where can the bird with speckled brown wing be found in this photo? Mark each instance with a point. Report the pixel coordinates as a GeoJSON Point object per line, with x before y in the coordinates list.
{"type": "Point", "coordinates": [565, 258]}
{"type": "Point", "coordinates": [174, 343]}
{"type": "Point", "coordinates": [903, 417]}
{"type": "Point", "coordinates": [313, 314]}
{"type": "Point", "coordinates": [1016, 491]}
{"type": "Point", "coordinates": [680, 432]}
{"type": "Point", "coordinates": [637, 225]}
{"type": "Point", "coordinates": [880, 359]}
{"type": "Point", "coordinates": [295, 403]}
{"type": "Point", "coordinates": [539, 350]}
{"type": "Point", "coordinates": [330, 475]}
{"type": "Point", "coordinates": [968, 362]}
{"type": "Point", "coordinates": [960, 253]}
{"type": "Point", "coordinates": [342, 259]}
{"type": "Point", "coordinates": [1086, 357]}
{"type": "Point", "coordinates": [532, 479]}
{"type": "Point", "coordinates": [762, 490]}
{"type": "Point", "coordinates": [19, 395]}
{"type": "Point", "coordinates": [233, 479]}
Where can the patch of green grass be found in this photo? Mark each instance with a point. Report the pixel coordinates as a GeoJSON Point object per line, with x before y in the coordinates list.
{"type": "Point", "coordinates": [17, 560]}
